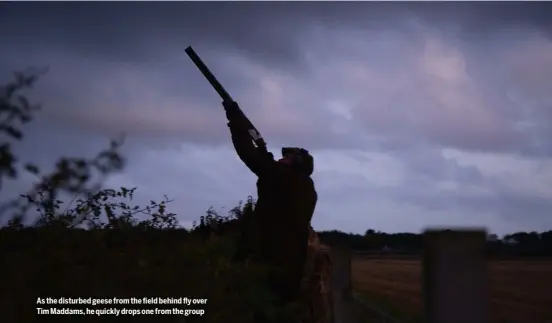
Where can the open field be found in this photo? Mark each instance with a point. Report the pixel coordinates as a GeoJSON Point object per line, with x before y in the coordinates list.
{"type": "Point", "coordinates": [521, 291]}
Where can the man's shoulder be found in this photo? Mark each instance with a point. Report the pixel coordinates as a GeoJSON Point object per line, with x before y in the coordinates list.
{"type": "Point", "coordinates": [278, 172]}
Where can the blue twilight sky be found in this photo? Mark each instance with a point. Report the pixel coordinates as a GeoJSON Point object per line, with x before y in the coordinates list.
{"type": "Point", "coordinates": [417, 114]}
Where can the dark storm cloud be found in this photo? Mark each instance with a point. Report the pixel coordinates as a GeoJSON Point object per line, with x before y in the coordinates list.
{"type": "Point", "coordinates": [377, 91]}
{"type": "Point", "coordinates": [482, 18]}
{"type": "Point", "coordinates": [122, 31]}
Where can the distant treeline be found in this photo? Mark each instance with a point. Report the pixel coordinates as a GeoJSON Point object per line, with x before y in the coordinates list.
{"type": "Point", "coordinates": [527, 244]}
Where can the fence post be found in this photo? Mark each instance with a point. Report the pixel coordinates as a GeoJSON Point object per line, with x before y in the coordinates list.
{"type": "Point", "coordinates": [341, 258]}
{"type": "Point", "coordinates": [455, 277]}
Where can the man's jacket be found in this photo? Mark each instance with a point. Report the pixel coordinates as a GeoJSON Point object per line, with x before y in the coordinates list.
{"type": "Point", "coordinates": [285, 205]}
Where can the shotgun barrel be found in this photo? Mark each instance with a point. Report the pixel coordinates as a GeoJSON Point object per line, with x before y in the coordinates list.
{"type": "Point", "coordinates": [208, 75]}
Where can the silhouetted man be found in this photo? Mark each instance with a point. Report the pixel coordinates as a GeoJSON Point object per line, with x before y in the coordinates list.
{"type": "Point", "coordinates": [285, 205]}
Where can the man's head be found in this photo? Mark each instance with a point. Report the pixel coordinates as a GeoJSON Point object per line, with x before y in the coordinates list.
{"type": "Point", "coordinates": [298, 158]}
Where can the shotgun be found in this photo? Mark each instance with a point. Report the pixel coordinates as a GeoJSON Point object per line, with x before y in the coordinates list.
{"type": "Point", "coordinates": [253, 132]}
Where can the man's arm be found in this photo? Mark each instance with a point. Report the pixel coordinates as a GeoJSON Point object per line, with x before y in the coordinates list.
{"type": "Point", "coordinates": [255, 159]}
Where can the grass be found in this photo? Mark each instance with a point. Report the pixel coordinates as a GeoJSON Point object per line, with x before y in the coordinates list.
{"type": "Point", "coordinates": [377, 306]}
{"type": "Point", "coordinates": [519, 290]}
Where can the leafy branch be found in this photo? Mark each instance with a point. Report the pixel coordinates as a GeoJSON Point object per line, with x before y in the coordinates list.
{"type": "Point", "coordinates": [71, 175]}
{"type": "Point", "coordinates": [106, 209]}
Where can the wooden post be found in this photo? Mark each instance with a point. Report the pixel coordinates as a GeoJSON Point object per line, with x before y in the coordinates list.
{"type": "Point", "coordinates": [344, 308]}
{"type": "Point", "coordinates": [455, 277]}
{"type": "Point", "coordinates": [341, 258]}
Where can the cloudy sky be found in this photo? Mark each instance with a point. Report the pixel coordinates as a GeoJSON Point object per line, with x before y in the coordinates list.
{"type": "Point", "coordinates": [417, 115]}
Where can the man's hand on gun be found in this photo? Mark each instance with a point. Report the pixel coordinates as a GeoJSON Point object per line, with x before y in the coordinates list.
{"type": "Point", "coordinates": [238, 126]}
{"type": "Point", "coordinates": [236, 123]}
{"type": "Point", "coordinates": [232, 114]}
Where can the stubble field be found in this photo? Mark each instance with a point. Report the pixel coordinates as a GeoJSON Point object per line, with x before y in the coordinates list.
{"type": "Point", "coordinates": [520, 291]}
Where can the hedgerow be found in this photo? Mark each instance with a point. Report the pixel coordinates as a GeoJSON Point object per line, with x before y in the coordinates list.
{"type": "Point", "coordinates": [101, 245]}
